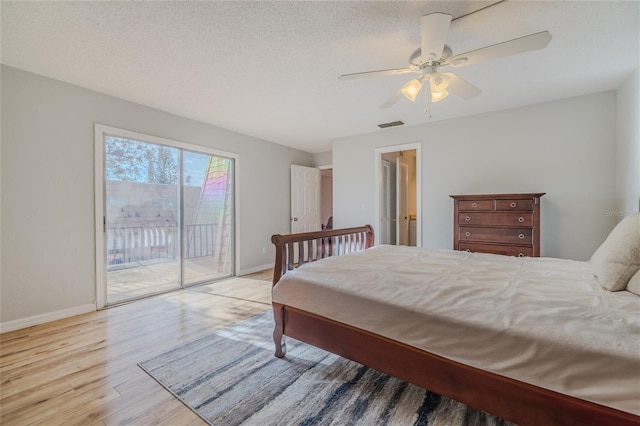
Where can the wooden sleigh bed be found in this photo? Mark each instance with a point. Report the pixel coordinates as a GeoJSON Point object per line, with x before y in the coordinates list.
{"type": "Point", "coordinates": [505, 397]}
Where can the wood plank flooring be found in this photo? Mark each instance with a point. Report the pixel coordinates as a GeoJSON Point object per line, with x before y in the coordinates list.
{"type": "Point", "coordinates": [83, 370]}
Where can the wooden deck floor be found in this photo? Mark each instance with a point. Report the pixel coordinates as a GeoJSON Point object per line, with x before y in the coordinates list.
{"type": "Point", "coordinates": [142, 279]}
{"type": "Point", "coordinates": [83, 370]}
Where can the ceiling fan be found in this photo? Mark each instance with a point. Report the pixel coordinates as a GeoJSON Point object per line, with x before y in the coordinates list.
{"type": "Point", "coordinates": [434, 54]}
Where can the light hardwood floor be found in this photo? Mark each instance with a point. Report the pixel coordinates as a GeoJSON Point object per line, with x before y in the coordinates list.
{"type": "Point", "coordinates": [83, 370]}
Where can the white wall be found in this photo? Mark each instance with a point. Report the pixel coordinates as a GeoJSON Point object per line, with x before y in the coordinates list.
{"type": "Point", "coordinates": [322, 159]}
{"type": "Point", "coordinates": [628, 146]}
{"type": "Point", "coordinates": [565, 148]}
{"type": "Point", "coordinates": [48, 243]}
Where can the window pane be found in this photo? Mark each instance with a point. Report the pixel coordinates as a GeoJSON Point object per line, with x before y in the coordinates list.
{"type": "Point", "coordinates": [142, 202]}
{"type": "Point", "coordinates": [208, 217]}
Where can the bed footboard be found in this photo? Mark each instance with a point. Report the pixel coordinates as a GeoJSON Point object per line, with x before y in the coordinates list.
{"type": "Point", "coordinates": [293, 250]}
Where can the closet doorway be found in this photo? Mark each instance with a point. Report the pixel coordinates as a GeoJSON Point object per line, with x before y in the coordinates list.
{"type": "Point", "coordinates": [398, 171]}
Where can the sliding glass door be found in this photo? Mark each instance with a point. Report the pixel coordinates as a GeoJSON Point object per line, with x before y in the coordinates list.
{"type": "Point", "coordinates": [168, 217]}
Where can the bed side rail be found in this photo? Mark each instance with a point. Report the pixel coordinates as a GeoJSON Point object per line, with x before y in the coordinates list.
{"type": "Point", "coordinates": [293, 250]}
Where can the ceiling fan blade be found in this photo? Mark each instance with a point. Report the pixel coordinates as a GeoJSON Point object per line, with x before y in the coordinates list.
{"type": "Point", "coordinates": [435, 28]}
{"type": "Point", "coordinates": [392, 100]}
{"type": "Point", "coordinates": [507, 48]}
{"type": "Point", "coordinates": [394, 71]}
{"type": "Point", "coordinates": [461, 87]}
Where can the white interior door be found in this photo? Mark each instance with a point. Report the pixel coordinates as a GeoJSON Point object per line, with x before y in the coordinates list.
{"type": "Point", "coordinates": [385, 203]}
{"type": "Point", "coordinates": [402, 216]}
{"type": "Point", "coordinates": [305, 199]}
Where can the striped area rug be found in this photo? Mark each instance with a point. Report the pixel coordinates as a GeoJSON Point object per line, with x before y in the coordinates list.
{"type": "Point", "coordinates": [232, 378]}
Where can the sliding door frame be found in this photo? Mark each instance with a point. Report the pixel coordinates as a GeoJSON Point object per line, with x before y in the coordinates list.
{"type": "Point", "coordinates": [100, 131]}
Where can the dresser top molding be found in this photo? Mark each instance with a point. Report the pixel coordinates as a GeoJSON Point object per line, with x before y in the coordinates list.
{"type": "Point", "coordinates": [497, 196]}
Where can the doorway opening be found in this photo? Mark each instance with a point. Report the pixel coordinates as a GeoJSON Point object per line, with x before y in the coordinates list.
{"type": "Point", "coordinates": [398, 195]}
{"type": "Point", "coordinates": [326, 196]}
{"type": "Point", "coordinates": [311, 198]}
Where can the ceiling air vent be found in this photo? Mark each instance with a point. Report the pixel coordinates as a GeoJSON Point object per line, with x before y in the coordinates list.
{"type": "Point", "coordinates": [390, 124]}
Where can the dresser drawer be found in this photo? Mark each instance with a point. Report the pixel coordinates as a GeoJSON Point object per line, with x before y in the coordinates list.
{"type": "Point", "coordinates": [497, 235]}
{"type": "Point", "coordinates": [514, 205]}
{"type": "Point", "coordinates": [475, 205]}
{"type": "Point", "coordinates": [495, 219]}
{"type": "Point", "coordinates": [490, 248]}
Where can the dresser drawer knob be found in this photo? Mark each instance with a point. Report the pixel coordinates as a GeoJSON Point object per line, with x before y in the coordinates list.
{"type": "Point", "coordinates": [468, 234]}
{"type": "Point", "coordinates": [474, 205]}
{"type": "Point", "coordinates": [521, 219]}
{"type": "Point", "coordinates": [467, 218]}
{"type": "Point", "coordinates": [520, 254]}
{"type": "Point", "coordinates": [521, 236]}
{"type": "Point", "coordinates": [513, 204]}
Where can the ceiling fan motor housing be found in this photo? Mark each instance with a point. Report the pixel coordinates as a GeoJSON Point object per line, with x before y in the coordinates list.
{"type": "Point", "coordinates": [417, 60]}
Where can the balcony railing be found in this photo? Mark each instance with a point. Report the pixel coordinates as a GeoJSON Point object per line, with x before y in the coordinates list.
{"type": "Point", "coordinates": [127, 244]}
{"type": "Point", "coordinates": [200, 240]}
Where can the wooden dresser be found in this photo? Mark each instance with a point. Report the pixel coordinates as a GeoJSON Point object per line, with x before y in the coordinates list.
{"type": "Point", "coordinates": [506, 224]}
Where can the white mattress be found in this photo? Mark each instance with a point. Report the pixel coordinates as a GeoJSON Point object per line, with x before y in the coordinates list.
{"type": "Point", "coordinates": [543, 321]}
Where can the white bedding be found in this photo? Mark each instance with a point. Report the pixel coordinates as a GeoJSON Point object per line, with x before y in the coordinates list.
{"type": "Point", "coordinates": [542, 321]}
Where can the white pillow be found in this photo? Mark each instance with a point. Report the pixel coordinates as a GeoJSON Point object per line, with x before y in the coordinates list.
{"type": "Point", "coordinates": [634, 284]}
{"type": "Point", "coordinates": [618, 257]}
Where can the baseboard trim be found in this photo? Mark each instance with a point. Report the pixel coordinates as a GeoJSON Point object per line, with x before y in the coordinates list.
{"type": "Point", "coordinates": [248, 271]}
{"type": "Point", "coordinates": [48, 317]}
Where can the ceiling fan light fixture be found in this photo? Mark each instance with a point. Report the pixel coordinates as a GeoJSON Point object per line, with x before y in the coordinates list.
{"type": "Point", "coordinates": [411, 89]}
{"type": "Point", "coordinates": [438, 82]}
{"type": "Point", "coordinates": [438, 96]}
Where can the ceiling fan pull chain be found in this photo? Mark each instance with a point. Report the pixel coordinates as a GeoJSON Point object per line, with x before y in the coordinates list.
{"type": "Point", "coordinates": [427, 100]}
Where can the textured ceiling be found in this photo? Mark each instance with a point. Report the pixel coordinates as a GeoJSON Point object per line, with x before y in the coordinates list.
{"type": "Point", "coordinates": [269, 69]}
